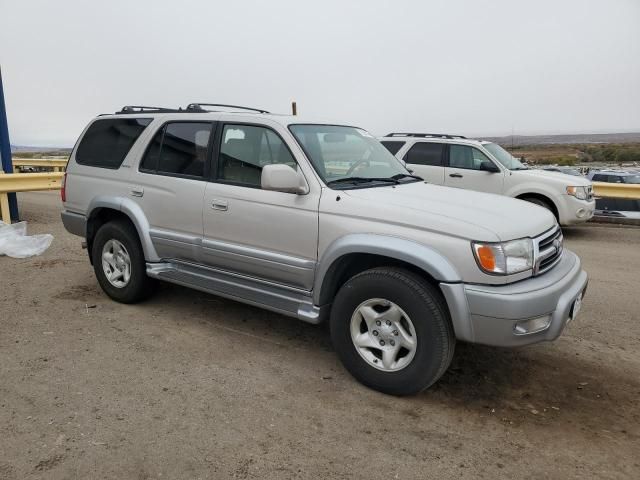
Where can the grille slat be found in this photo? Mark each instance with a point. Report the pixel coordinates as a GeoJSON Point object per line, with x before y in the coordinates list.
{"type": "Point", "coordinates": [549, 250]}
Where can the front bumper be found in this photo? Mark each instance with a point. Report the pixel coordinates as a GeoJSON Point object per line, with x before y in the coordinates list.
{"type": "Point", "coordinates": [573, 211]}
{"type": "Point", "coordinates": [489, 314]}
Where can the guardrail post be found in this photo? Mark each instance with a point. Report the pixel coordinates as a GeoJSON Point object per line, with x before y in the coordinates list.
{"type": "Point", "coordinates": [5, 155]}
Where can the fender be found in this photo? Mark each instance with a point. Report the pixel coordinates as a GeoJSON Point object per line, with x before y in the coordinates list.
{"type": "Point", "coordinates": [531, 187]}
{"type": "Point", "coordinates": [422, 256]}
{"type": "Point", "coordinates": [132, 210]}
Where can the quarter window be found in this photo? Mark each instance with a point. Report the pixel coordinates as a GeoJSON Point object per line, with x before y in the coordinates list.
{"type": "Point", "coordinates": [107, 141]}
{"type": "Point", "coordinates": [179, 148]}
{"type": "Point", "coordinates": [245, 149]}
{"type": "Point", "coordinates": [464, 156]}
{"type": "Point", "coordinates": [425, 153]}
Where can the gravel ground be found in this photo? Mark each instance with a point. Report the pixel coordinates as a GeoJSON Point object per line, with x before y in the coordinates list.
{"type": "Point", "coordinates": [192, 386]}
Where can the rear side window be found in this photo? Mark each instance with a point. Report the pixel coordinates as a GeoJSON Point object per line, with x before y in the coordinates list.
{"type": "Point", "coordinates": [393, 147]}
{"type": "Point", "coordinates": [425, 153]}
{"type": "Point", "coordinates": [179, 148]}
{"type": "Point", "coordinates": [107, 141]}
{"type": "Point", "coordinates": [598, 177]}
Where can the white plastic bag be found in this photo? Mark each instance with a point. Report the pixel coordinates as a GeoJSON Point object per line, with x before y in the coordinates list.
{"type": "Point", "coordinates": [14, 241]}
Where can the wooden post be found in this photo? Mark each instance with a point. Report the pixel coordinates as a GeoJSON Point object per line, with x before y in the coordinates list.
{"type": "Point", "coordinates": [294, 108]}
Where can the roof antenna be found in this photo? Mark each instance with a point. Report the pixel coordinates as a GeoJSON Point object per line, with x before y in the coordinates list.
{"type": "Point", "coordinates": [294, 108]}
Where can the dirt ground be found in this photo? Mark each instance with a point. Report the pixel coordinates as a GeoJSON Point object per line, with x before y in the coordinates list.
{"type": "Point", "coordinates": [191, 386]}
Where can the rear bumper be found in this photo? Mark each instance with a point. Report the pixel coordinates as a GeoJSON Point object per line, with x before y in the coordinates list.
{"type": "Point", "coordinates": [74, 223]}
{"type": "Point", "coordinates": [489, 314]}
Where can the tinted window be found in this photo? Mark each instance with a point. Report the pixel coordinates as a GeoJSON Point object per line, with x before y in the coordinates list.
{"type": "Point", "coordinates": [598, 177]}
{"type": "Point", "coordinates": [463, 156]}
{"type": "Point", "coordinates": [150, 160]}
{"type": "Point", "coordinates": [424, 153]}
{"type": "Point", "coordinates": [393, 147]}
{"type": "Point", "coordinates": [179, 148]}
{"type": "Point", "coordinates": [245, 149]}
{"type": "Point", "coordinates": [107, 141]}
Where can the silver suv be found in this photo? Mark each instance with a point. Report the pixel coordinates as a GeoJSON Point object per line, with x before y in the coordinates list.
{"type": "Point", "coordinates": [317, 221]}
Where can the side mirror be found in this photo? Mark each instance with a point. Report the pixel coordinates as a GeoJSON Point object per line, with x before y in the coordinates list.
{"type": "Point", "coordinates": [487, 166]}
{"type": "Point", "coordinates": [282, 178]}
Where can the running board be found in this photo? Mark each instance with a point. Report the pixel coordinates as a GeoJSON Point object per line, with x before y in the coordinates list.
{"type": "Point", "coordinates": [277, 298]}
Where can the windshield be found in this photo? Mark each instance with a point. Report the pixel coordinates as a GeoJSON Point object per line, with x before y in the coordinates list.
{"type": "Point", "coordinates": [348, 157]}
{"type": "Point", "coordinates": [504, 157]}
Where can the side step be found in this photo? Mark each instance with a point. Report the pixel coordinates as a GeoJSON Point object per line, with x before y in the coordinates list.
{"type": "Point", "coordinates": [277, 298]}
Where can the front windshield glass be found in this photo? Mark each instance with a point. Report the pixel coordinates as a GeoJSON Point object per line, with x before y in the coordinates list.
{"type": "Point", "coordinates": [504, 157]}
{"type": "Point", "coordinates": [347, 156]}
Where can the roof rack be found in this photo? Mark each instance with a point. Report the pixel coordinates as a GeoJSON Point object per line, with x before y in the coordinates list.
{"type": "Point", "coordinates": [424, 135]}
{"type": "Point", "coordinates": [198, 107]}
{"type": "Point", "coordinates": [143, 109]}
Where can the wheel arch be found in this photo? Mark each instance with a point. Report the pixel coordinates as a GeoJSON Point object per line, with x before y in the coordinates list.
{"type": "Point", "coordinates": [356, 253]}
{"type": "Point", "coordinates": [543, 197]}
{"type": "Point", "coordinates": [105, 209]}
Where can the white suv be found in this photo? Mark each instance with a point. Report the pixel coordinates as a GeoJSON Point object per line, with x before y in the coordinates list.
{"type": "Point", "coordinates": [456, 161]}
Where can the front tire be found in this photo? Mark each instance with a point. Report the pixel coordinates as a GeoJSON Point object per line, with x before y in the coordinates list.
{"type": "Point", "coordinates": [542, 203]}
{"type": "Point", "coordinates": [392, 330]}
{"type": "Point", "coordinates": [119, 263]}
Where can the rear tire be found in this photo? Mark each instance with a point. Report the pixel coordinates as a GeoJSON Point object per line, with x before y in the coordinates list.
{"type": "Point", "coordinates": [119, 263]}
{"type": "Point", "coordinates": [392, 330]}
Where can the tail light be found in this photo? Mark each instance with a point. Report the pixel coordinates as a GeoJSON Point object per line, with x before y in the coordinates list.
{"type": "Point", "coordinates": [63, 192]}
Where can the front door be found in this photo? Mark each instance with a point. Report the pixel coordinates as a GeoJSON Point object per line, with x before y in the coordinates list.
{"type": "Point", "coordinates": [463, 170]}
{"type": "Point", "coordinates": [263, 234]}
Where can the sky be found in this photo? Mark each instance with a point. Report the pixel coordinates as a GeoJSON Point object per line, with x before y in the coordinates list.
{"type": "Point", "coordinates": [470, 67]}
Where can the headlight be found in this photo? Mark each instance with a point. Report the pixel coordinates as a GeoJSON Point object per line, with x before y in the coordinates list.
{"type": "Point", "coordinates": [579, 192]}
{"type": "Point", "coordinates": [504, 258]}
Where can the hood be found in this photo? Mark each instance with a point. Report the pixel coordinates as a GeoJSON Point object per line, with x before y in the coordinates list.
{"type": "Point", "coordinates": [557, 177]}
{"type": "Point", "coordinates": [451, 211]}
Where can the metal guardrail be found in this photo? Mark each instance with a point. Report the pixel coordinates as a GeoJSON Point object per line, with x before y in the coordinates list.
{"type": "Point", "coordinates": [25, 182]}
{"type": "Point", "coordinates": [58, 165]}
{"type": "Point", "coordinates": [616, 190]}
{"type": "Point", "coordinates": [29, 182]}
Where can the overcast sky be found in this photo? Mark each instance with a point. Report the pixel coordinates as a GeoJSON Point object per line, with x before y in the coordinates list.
{"type": "Point", "coordinates": [471, 67]}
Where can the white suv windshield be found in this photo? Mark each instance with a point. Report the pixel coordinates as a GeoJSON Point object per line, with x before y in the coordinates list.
{"type": "Point", "coordinates": [348, 157]}
{"type": "Point", "coordinates": [504, 157]}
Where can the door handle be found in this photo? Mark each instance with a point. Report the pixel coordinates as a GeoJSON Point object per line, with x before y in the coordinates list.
{"type": "Point", "coordinates": [222, 205]}
{"type": "Point", "coordinates": [137, 191]}
{"type": "Point", "coordinates": [455, 175]}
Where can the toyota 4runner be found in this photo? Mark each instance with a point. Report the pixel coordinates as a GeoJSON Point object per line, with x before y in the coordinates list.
{"type": "Point", "coordinates": [316, 221]}
{"type": "Point", "coordinates": [456, 161]}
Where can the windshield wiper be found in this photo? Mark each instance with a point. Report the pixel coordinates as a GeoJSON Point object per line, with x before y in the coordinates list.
{"type": "Point", "coordinates": [406, 175]}
{"type": "Point", "coordinates": [357, 180]}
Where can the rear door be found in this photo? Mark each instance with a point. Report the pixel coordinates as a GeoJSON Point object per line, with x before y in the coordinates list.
{"type": "Point", "coordinates": [426, 159]}
{"type": "Point", "coordinates": [463, 170]}
{"type": "Point", "coordinates": [170, 184]}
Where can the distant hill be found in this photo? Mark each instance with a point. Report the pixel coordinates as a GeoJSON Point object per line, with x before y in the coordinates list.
{"type": "Point", "coordinates": [582, 138]}
{"type": "Point", "coordinates": [27, 149]}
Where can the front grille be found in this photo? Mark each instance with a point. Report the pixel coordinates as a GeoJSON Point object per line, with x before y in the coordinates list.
{"type": "Point", "coordinates": [590, 192]}
{"type": "Point", "coordinates": [548, 250]}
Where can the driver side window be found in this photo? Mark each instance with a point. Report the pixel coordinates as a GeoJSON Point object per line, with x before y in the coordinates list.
{"type": "Point", "coordinates": [245, 149]}
{"type": "Point", "coordinates": [464, 156]}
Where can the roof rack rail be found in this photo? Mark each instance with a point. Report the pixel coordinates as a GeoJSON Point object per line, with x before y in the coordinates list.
{"type": "Point", "coordinates": [424, 135]}
{"type": "Point", "coordinates": [143, 109]}
{"type": "Point", "coordinates": [198, 107]}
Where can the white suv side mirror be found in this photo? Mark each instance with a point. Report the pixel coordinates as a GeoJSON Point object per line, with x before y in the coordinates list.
{"type": "Point", "coordinates": [282, 178]}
